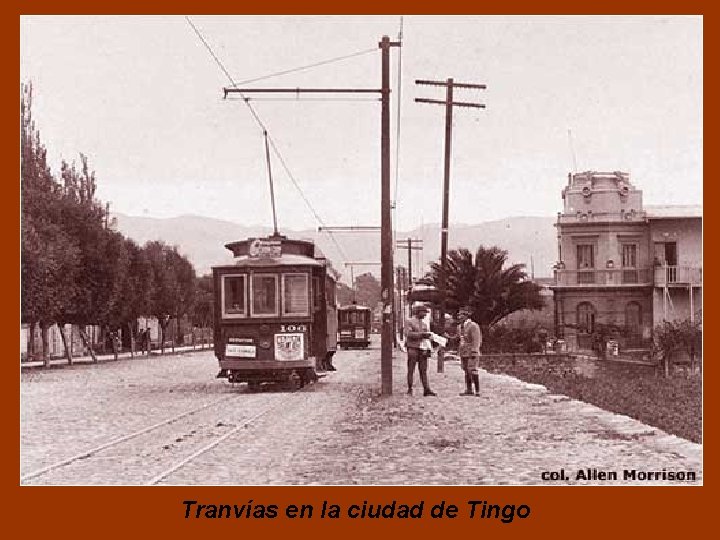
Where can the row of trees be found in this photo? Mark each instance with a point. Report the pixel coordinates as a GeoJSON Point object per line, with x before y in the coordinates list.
{"type": "Point", "coordinates": [75, 269]}
{"type": "Point", "coordinates": [365, 291]}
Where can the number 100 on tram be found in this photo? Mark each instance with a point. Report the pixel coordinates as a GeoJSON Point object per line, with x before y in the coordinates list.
{"type": "Point", "coordinates": [275, 312]}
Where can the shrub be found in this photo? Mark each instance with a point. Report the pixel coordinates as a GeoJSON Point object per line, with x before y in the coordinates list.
{"type": "Point", "coordinates": [671, 404]}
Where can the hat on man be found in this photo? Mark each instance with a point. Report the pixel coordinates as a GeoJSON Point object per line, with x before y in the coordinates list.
{"type": "Point", "coordinates": [465, 310]}
{"type": "Point", "coordinates": [420, 307]}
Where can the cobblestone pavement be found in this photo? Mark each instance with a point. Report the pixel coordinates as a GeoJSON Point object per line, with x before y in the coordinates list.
{"type": "Point", "coordinates": [337, 431]}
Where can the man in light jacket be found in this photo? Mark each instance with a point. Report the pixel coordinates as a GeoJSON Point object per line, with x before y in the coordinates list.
{"type": "Point", "coordinates": [419, 348]}
{"type": "Point", "coordinates": [469, 351]}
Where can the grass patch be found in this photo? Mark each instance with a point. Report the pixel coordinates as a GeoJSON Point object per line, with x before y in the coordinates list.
{"type": "Point", "coordinates": [673, 405]}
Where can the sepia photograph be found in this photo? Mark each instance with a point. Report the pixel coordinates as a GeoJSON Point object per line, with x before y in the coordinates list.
{"type": "Point", "coordinates": [361, 250]}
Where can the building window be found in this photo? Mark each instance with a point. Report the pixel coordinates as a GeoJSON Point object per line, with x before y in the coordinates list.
{"type": "Point", "coordinates": [585, 318]}
{"type": "Point", "coordinates": [585, 257]}
{"type": "Point", "coordinates": [295, 294]}
{"type": "Point", "coordinates": [233, 296]}
{"type": "Point", "coordinates": [629, 263]}
{"type": "Point", "coordinates": [629, 255]}
{"type": "Point", "coordinates": [633, 318]}
{"type": "Point", "coordinates": [585, 264]}
{"type": "Point", "coordinates": [264, 295]}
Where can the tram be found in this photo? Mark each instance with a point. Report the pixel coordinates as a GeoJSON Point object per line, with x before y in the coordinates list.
{"type": "Point", "coordinates": [275, 312]}
{"type": "Point", "coordinates": [354, 326]}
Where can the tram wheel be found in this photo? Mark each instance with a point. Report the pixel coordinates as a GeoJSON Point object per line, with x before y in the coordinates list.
{"type": "Point", "coordinates": [254, 385]}
{"type": "Point", "coordinates": [296, 380]}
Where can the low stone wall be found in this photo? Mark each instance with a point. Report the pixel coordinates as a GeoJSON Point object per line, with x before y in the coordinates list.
{"type": "Point", "coordinates": [563, 364]}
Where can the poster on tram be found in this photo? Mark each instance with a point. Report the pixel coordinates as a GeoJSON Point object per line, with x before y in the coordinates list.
{"type": "Point", "coordinates": [289, 347]}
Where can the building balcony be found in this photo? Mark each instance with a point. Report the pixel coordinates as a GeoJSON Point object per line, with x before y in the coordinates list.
{"type": "Point", "coordinates": [604, 277]}
{"type": "Point", "coordinates": [589, 216]}
{"type": "Point", "coordinates": [667, 276]}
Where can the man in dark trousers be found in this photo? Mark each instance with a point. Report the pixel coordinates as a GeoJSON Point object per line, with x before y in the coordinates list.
{"type": "Point", "coordinates": [469, 351]}
{"type": "Point", "coordinates": [417, 341]}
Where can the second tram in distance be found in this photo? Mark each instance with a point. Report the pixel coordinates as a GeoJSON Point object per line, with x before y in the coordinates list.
{"type": "Point", "coordinates": [354, 326]}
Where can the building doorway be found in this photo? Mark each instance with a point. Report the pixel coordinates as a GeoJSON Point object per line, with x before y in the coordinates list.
{"type": "Point", "coordinates": [585, 324]}
{"type": "Point", "coordinates": [666, 256]}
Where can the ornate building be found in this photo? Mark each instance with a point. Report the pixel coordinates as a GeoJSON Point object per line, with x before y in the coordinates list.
{"type": "Point", "coordinates": [621, 264]}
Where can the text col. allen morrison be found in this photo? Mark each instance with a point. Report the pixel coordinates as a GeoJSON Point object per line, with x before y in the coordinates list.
{"type": "Point", "coordinates": [627, 475]}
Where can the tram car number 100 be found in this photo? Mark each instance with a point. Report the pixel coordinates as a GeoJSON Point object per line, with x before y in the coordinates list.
{"type": "Point", "coordinates": [254, 298]}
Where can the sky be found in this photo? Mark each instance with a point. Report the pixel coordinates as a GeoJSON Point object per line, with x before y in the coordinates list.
{"type": "Point", "coordinates": [142, 98]}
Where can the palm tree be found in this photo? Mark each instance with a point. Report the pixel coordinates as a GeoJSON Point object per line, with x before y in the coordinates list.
{"type": "Point", "coordinates": [483, 283]}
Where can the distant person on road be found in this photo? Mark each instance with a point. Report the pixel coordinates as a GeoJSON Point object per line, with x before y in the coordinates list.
{"type": "Point", "coordinates": [469, 351]}
{"type": "Point", "coordinates": [419, 348]}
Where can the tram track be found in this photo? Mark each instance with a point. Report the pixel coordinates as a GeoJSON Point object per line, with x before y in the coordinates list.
{"type": "Point", "coordinates": [217, 441]}
{"type": "Point", "coordinates": [96, 452]}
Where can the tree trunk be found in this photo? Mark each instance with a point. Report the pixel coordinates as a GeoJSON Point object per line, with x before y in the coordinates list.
{"type": "Point", "coordinates": [103, 340]}
{"type": "Point", "coordinates": [31, 342]}
{"type": "Point", "coordinates": [45, 344]}
{"type": "Point", "coordinates": [68, 348]}
{"type": "Point", "coordinates": [114, 345]}
{"type": "Point", "coordinates": [162, 337]}
{"type": "Point", "coordinates": [132, 339]}
{"type": "Point", "coordinates": [88, 344]}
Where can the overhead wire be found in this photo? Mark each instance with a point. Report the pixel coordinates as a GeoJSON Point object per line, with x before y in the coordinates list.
{"type": "Point", "coordinates": [341, 100]}
{"type": "Point", "coordinates": [309, 66]}
{"type": "Point", "coordinates": [263, 127]}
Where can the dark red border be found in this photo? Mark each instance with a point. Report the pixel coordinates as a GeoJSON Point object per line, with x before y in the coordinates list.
{"type": "Point", "coordinates": [158, 512]}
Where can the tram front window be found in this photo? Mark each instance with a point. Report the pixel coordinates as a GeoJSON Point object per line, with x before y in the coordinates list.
{"type": "Point", "coordinates": [295, 294]}
{"type": "Point", "coordinates": [233, 295]}
{"type": "Point", "coordinates": [264, 294]}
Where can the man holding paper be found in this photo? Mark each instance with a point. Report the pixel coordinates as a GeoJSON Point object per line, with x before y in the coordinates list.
{"type": "Point", "coordinates": [419, 348]}
{"type": "Point", "coordinates": [469, 351]}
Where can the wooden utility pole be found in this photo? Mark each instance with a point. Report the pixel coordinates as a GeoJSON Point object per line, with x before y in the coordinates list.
{"type": "Point", "coordinates": [411, 244]}
{"type": "Point", "coordinates": [386, 234]}
{"type": "Point", "coordinates": [449, 104]}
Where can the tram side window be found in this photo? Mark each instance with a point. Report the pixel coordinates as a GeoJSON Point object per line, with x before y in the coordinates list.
{"type": "Point", "coordinates": [316, 294]}
{"type": "Point", "coordinates": [295, 294]}
{"type": "Point", "coordinates": [330, 292]}
{"type": "Point", "coordinates": [264, 294]}
{"type": "Point", "coordinates": [233, 290]}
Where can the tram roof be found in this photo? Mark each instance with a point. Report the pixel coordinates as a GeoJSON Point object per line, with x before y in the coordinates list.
{"type": "Point", "coordinates": [284, 260]}
{"type": "Point", "coordinates": [277, 250]}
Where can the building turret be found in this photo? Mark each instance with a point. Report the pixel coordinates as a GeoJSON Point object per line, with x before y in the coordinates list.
{"type": "Point", "coordinates": [604, 196]}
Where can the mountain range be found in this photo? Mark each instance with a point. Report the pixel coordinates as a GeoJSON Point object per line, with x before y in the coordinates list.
{"type": "Point", "coordinates": [528, 240]}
